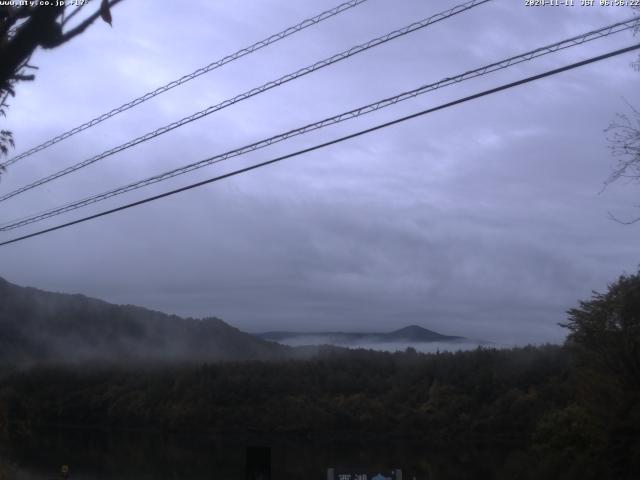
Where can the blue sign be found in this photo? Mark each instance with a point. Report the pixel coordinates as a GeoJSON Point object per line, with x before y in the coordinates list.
{"type": "Point", "coordinates": [350, 474]}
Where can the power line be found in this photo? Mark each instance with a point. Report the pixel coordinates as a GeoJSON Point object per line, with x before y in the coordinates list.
{"type": "Point", "coordinates": [250, 93]}
{"type": "Point", "coordinates": [186, 78]}
{"type": "Point", "coordinates": [577, 40]}
{"type": "Point", "coordinates": [332, 142]}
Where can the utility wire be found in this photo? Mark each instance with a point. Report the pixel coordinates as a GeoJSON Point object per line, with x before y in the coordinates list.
{"type": "Point", "coordinates": [186, 78]}
{"type": "Point", "coordinates": [577, 40]}
{"type": "Point", "coordinates": [250, 93]}
{"type": "Point", "coordinates": [332, 142]}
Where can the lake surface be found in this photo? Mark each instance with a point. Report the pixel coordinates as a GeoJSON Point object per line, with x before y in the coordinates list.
{"type": "Point", "coordinates": [99, 455]}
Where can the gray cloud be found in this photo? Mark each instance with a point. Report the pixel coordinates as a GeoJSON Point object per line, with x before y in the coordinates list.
{"type": "Point", "coordinates": [483, 220]}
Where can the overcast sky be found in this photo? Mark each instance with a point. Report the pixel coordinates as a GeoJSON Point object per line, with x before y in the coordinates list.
{"type": "Point", "coordinates": [483, 220]}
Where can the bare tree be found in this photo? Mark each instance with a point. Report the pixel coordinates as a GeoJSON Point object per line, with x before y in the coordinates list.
{"type": "Point", "coordinates": [624, 143]}
{"type": "Point", "coordinates": [623, 136]}
{"type": "Point", "coordinates": [27, 25]}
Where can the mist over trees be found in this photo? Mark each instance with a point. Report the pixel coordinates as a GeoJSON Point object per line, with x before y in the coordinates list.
{"type": "Point", "coordinates": [570, 411]}
{"type": "Point", "coordinates": [39, 327]}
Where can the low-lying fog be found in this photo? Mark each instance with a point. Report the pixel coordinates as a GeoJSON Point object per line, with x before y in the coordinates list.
{"type": "Point", "coordinates": [424, 347]}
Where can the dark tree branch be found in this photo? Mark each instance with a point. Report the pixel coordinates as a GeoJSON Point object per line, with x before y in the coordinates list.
{"type": "Point", "coordinates": [73, 14]}
{"type": "Point", "coordinates": [23, 29]}
{"type": "Point", "coordinates": [21, 77]}
{"type": "Point", "coordinates": [38, 29]}
{"type": "Point", "coordinates": [41, 28]}
{"type": "Point", "coordinates": [623, 136]}
{"type": "Point", "coordinates": [11, 15]}
{"type": "Point", "coordinates": [623, 222]}
{"type": "Point", "coordinates": [78, 29]}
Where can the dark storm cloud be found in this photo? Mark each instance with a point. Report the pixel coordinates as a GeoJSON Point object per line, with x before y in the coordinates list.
{"type": "Point", "coordinates": [484, 220]}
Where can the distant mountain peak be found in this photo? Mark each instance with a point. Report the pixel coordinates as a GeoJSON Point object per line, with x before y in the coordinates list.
{"type": "Point", "coordinates": [411, 333]}
{"type": "Point", "coordinates": [419, 334]}
{"type": "Point", "coordinates": [413, 329]}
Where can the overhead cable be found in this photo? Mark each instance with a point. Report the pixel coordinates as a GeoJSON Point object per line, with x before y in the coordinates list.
{"type": "Point", "coordinates": [251, 93]}
{"type": "Point", "coordinates": [190, 76]}
{"type": "Point", "coordinates": [372, 107]}
{"type": "Point", "coordinates": [332, 142]}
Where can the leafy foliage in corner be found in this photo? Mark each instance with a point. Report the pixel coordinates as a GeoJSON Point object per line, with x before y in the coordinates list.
{"type": "Point", "coordinates": [605, 332]}
{"type": "Point", "coordinates": [27, 26]}
{"type": "Point", "coordinates": [6, 141]}
{"type": "Point", "coordinates": [599, 433]}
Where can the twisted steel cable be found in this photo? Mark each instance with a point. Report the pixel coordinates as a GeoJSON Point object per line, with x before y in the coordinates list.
{"type": "Point", "coordinates": [372, 107]}
{"type": "Point", "coordinates": [484, 93]}
{"type": "Point", "coordinates": [500, 65]}
{"type": "Point", "coordinates": [186, 78]}
{"type": "Point", "coordinates": [250, 93]}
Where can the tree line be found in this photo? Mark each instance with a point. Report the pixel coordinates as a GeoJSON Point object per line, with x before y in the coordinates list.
{"type": "Point", "coordinates": [572, 410]}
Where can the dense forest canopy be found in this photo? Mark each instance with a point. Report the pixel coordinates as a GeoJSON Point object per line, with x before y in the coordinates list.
{"type": "Point", "coordinates": [572, 411]}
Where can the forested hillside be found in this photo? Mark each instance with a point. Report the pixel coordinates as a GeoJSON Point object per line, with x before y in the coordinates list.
{"type": "Point", "coordinates": [532, 401]}
{"type": "Point", "coordinates": [496, 392]}
{"type": "Point", "coordinates": [44, 327]}
{"type": "Point", "coordinates": [570, 411]}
